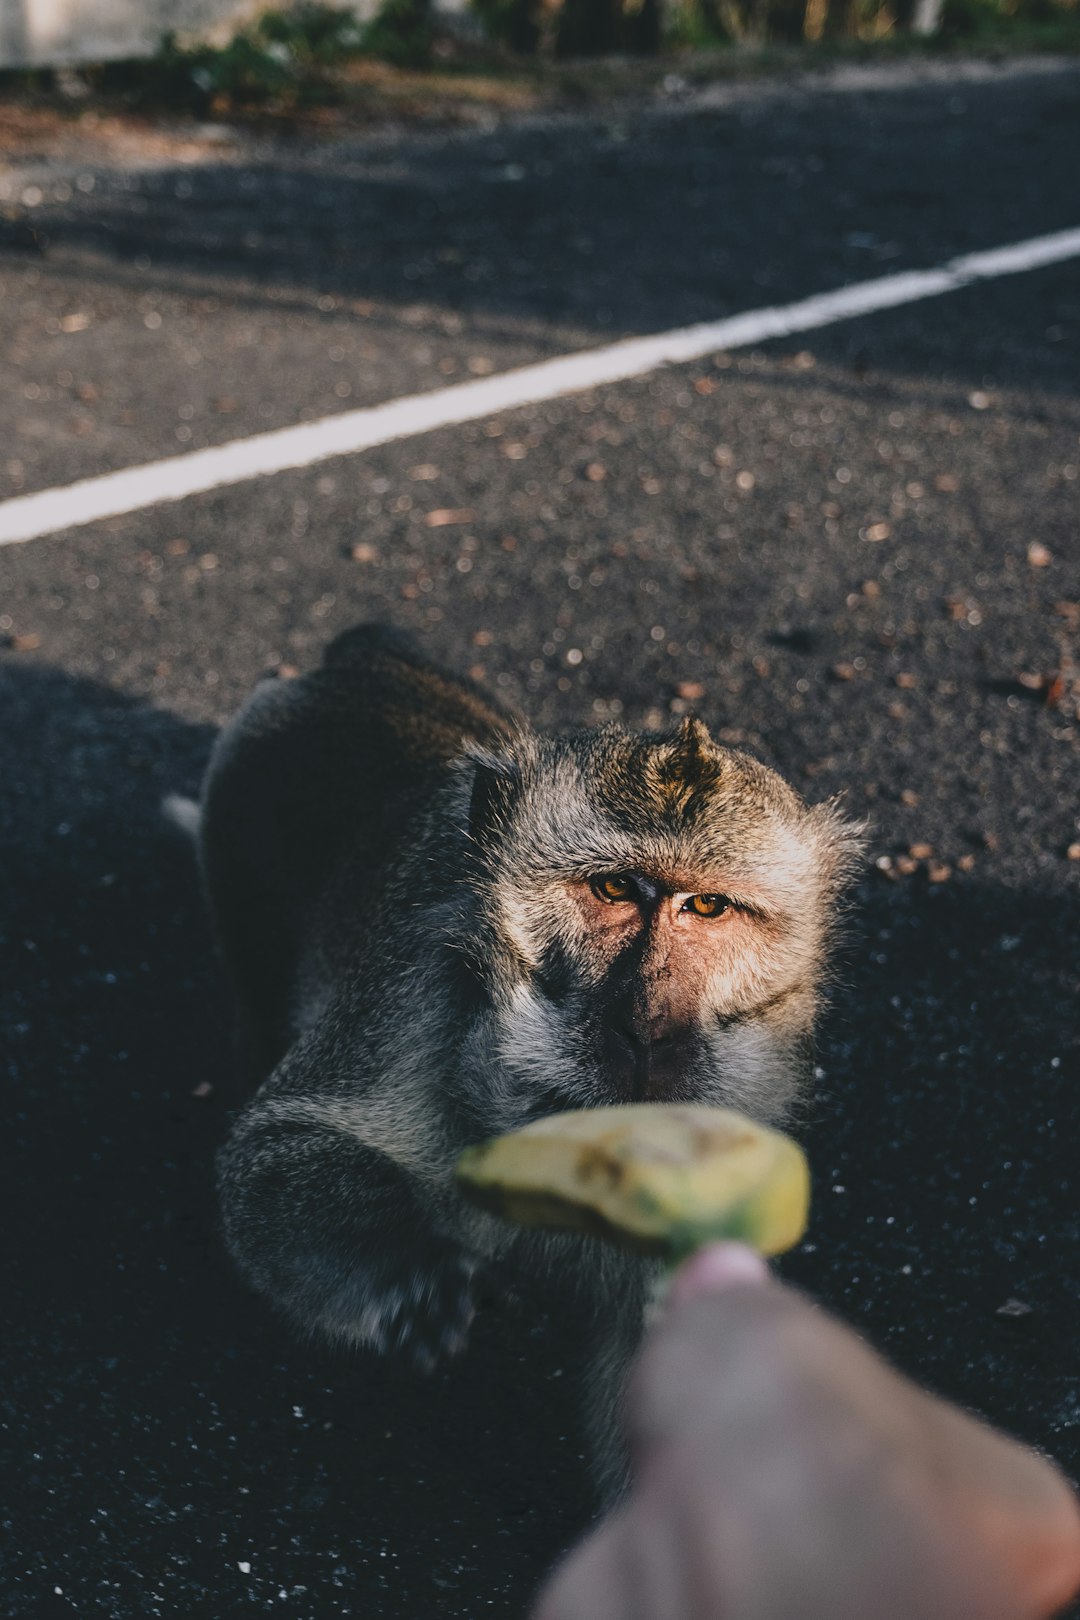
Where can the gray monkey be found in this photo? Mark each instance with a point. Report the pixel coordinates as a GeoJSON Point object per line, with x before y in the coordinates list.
{"type": "Point", "coordinates": [440, 924]}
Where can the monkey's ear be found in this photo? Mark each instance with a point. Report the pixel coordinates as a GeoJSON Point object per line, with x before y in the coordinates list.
{"type": "Point", "coordinates": [496, 780]}
{"type": "Point", "coordinates": [841, 844]}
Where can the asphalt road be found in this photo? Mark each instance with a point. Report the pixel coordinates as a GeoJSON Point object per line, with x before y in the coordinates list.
{"type": "Point", "coordinates": [855, 555]}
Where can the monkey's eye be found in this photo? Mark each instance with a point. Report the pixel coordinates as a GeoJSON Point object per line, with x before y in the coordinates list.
{"type": "Point", "coordinates": [708, 905]}
{"type": "Point", "coordinates": [613, 887]}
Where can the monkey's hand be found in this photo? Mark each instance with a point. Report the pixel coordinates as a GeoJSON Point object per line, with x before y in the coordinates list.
{"type": "Point", "coordinates": [426, 1312]}
{"type": "Point", "coordinates": [342, 1237]}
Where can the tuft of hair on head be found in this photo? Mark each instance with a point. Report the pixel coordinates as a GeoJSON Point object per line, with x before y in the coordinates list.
{"type": "Point", "coordinates": [688, 766]}
{"type": "Point", "coordinates": [692, 758]}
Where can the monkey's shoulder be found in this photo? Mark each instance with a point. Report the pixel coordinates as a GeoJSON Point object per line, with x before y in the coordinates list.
{"type": "Point", "coordinates": [373, 726]}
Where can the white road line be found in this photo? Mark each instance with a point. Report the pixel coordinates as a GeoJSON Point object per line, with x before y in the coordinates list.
{"type": "Point", "coordinates": [29, 517]}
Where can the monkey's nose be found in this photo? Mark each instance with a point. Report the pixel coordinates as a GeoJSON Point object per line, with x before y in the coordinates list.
{"type": "Point", "coordinates": [641, 1053]}
{"type": "Point", "coordinates": [631, 1036]}
{"type": "Point", "coordinates": [640, 1042]}
{"type": "Point", "coordinates": [641, 1033]}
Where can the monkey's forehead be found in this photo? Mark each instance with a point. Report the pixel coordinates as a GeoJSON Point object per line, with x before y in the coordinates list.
{"type": "Point", "coordinates": [600, 800]}
{"type": "Point", "coordinates": [675, 778]}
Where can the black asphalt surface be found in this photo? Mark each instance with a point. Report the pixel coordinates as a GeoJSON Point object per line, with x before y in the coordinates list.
{"type": "Point", "coordinates": [855, 555]}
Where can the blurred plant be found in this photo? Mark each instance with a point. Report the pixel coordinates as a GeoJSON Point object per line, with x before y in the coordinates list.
{"type": "Point", "coordinates": [315, 36]}
{"type": "Point", "coordinates": [570, 28]}
{"type": "Point", "coordinates": [518, 24]}
{"type": "Point", "coordinates": [601, 27]}
{"type": "Point", "coordinates": [294, 55]}
{"type": "Point", "coordinates": [1050, 22]}
{"type": "Point", "coordinates": [401, 32]}
{"type": "Point", "coordinates": [246, 71]}
{"type": "Point", "coordinates": [285, 57]}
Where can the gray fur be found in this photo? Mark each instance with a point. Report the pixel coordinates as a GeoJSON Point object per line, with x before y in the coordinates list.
{"type": "Point", "coordinates": [388, 856]}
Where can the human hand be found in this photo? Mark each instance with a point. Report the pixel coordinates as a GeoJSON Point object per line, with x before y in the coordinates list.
{"type": "Point", "coordinates": [783, 1471]}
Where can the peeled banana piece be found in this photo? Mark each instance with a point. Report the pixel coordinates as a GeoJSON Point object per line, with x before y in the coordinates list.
{"type": "Point", "coordinates": [659, 1178]}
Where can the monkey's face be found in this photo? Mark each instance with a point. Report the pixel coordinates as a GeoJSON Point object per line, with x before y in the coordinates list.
{"type": "Point", "coordinates": [662, 907]}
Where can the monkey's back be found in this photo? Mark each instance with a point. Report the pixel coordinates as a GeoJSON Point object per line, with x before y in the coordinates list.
{"type": "Point", "coordinates": [313, 775]}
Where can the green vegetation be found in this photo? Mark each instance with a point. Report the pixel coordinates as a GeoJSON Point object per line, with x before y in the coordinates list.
{"type": "Point", "coordinates": [286, 57]}
{"type": "Point", "coordinates": [841, 24]}
{"type": "Point", "coordinates": [401, 32]}
{"type": "Point", "coordinates": [636, 25]}
{"type": "Point", "coordinates": [290, 57]}
{"type": "Point", "coordinates": [316, 59]}
{"type": "Point", "coordinates": [1032, 24]}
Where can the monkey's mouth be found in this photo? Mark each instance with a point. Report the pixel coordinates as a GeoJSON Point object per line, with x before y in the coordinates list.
{"type": "Point", "coordinates": [623, 1070]}
{"type": "Point", "coordinates": [659, 1071]}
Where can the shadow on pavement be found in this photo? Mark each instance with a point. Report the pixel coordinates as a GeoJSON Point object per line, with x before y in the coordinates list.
{"type": "Point", "coordinates": [612, 224]}
{"type": "Point", "coordinates": [946, 1220]}
{"type": "Point", "coordinates": [169, 1431]}
{"type": "Point", "coordinates": [179, 1452]}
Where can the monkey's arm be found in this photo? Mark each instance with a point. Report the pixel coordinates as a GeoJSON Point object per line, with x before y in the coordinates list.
{"type": "Point", "coordinates": [337, 1232]}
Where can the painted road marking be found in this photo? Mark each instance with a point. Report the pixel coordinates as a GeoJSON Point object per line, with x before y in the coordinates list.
{"type": "Point", "coordinates": [29, 517]}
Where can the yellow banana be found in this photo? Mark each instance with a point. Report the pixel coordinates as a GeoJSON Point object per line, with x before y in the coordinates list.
{"type": "Point", "coordinates": [660, 1178]}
